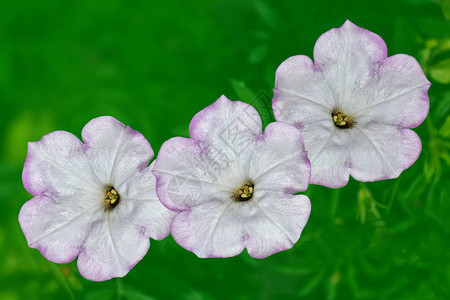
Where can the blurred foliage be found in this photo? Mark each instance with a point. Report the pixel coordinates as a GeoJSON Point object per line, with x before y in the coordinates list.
{"type": "Point", "coordinates": [153, 65]}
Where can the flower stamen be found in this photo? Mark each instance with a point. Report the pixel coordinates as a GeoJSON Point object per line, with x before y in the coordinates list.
{"type": "Point", "coordinates": [112, 198]}
{"type": "Point", "coordinates": [245, 192]}
{"type": "Point", "coordinates": [341, 120]}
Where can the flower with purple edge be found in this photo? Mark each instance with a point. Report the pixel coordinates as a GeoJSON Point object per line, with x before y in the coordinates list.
{"type": "Point", "coordinates": [354, 106]}
{"type": "Point", "coordinates": [245, 198]}
{"type": "Point", "coordinates": [95, 200]}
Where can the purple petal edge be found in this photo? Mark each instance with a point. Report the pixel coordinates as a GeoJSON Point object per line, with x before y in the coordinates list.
{"type": "Point", "coordinates": [348, 24]}
{"type": "Point", "coordinates": [201, 115]}
{"type": "Point", "coordinates": [26, 177]}
{"type": "Point", "coordinates": [42, 250]}
{"type": "Point", "coordinates": [110, 119]}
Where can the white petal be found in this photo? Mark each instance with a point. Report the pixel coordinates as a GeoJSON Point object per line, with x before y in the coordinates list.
{"type": "Point", "coordinates": [397, 94]}
{"type": "Point", "coordinates": [57, 165]}
{"type": "Point", "coordinates": [115, 151]}
{"type": "Point", "coordinates": [301, 94]}
{"type": "Point", "coordinates": [326, 153]}
{"type": "Point", "coordinates": [381, 151]}
{"type": "Point", "coordinates": [347, 56]}
{"type": "Point", "coordinates": [113, 247]}
{"type": "Point", "coordinates": [212, 229]}
{"type": "Point", "coordinates": [374, 152]}
{"type": "Point", "coordinates": [140, 205]}
{"type": "Point", "coordinates": [276, 224]}
{"type": "Point", "coordinates": [57, 228]}
{"type": "Point", "coordinates": [279, 161]}
{"type": "Point", "coordinates": [231, 125]}
{"type": "Point", "coordinates": [186, 176]}
{"type": "Point", "coordinates": [329, 155]}
{"type": "Point", "coordinates": [217, 229]}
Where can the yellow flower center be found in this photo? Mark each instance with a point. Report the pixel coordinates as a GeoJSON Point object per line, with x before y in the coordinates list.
{"type": "Point", "coordinates": [112, 198]}
{"type": "Point", "coordinates": [342, 120]}
{"type": "Point", "coordinates": [245, 192]}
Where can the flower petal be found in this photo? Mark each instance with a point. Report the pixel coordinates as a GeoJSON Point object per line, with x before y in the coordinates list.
{"type": "Point", "coordinates": [57, 164]}
{"type": "Point", "coordinates": [277, 223]}
{"type": "Point", "coordinates": [113, 247]}
{"type": "Point", "coordinates": [186, 175]}
{"type": "Point", "coordinates": [347, 56]}
{"type": "Point", "coordinates": [230, 125]}
{"type": "Point", "coordinates": [279, 161]}
{"type": "Point", "coordinates": [212, 229]}
{"type": "Point", "coordinates": [301, 94]}
{"type": "Point", "coordinates": [328, 152]}
{"type": "Point", "coordinates": [115, 151]}
{"type": "Point", "coordinates": [140, 205]}
{"type": "Point", "coordinates": [382, 152]}
{"type": "Point", "coordinates": [397, 93]}
{"type": "Point", "coordinates": [57, 228]}
{"type": "Point", "coordinates": [372, 153]}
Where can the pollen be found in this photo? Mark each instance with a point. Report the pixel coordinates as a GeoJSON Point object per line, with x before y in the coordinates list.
{"type": "Point", "coordinates": [245, 192]}
{"type": "Point", "coordinates": [112, 198]}
{"type": "Point", "coordinates": [342, 120]}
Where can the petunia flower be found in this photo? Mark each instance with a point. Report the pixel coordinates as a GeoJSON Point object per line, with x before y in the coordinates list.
{"type": "Point", "coordinates": [354, 106]}
{"type": "Point", "coordinates": [94, 200]}
{"type": "Point", "coordinates": [232, 185]}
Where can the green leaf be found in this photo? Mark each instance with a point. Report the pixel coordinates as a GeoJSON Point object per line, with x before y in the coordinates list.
{"type": "Point", "coordinates": [445, 129]}
{"type": "Point", "coordinates": [367, 204]}
{"type": "Point", "coordinates": [441, 71]}
{"type": "Point", "coordinates": [442, 104]}
{"type": "Point", "coordinates": [261, 101]}
{"type": "Point", "coordinates": [332, 285]}
{"type": "Point", "coordinates": [244, 93]}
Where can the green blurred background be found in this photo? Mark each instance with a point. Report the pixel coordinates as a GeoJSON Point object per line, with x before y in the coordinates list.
{"type": "Point", "coordinates": [153, 65]}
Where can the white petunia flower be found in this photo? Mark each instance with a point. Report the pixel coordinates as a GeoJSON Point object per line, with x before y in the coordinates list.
{"type": "Point", "coordinates": [232, 185]}
{"type": "Point", "coordinates": [94, 200]}
{"type": "Point", "coordinates": [354, 106]}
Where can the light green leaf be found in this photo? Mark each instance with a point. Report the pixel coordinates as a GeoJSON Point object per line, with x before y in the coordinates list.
{"type": "Point", "coordinates": [244, 93]}
{"type": "Point", "coordinates": [262, 101]}
{"type": "Point", "coordinates": [441, 71]}
{"type": "Point", "coordinates": [445, 129]}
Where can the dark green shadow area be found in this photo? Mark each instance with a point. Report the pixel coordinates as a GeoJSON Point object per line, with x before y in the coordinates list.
{"type": "Point", "coordinates": [153, 65]}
